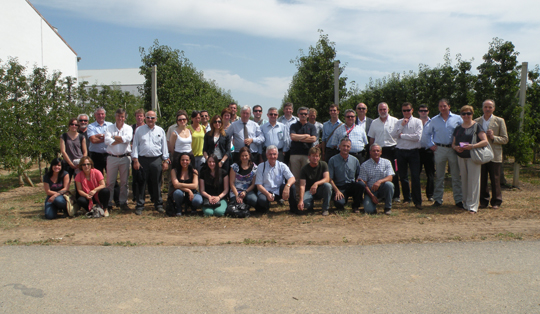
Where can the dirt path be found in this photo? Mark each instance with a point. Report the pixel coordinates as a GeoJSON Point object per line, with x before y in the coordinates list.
{"type": "Point", "coordinates": [22, 222]}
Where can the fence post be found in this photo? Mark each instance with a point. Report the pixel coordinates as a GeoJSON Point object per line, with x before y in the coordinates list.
{"type": "Point", "coordinates": [522, 93]}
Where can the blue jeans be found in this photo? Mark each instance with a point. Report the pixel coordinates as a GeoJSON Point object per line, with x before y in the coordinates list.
{"type": "Point", "coordinates": [324, 192]}
{"type": "Point", "coordinates": [51, 209]}
{"type": "Point", "coordinates": [181, 198]}
{"type": "Point", "coordinates": [385, 191]}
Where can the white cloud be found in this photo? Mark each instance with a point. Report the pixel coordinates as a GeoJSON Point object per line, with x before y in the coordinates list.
{"type": "Point", "coordinates": [270, 87]}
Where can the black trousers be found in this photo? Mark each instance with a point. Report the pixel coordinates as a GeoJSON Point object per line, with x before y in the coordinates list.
{"type": "Point", "coordinates": [103, 197]}
{"type": "Point", "coordinates": [409, 159]}
{"type": "Point", "coordinates": [152, 173]}
{"type": "Point", "coordinates": [427, 161]}
{"type": "Point", "coordinates": [390, 154]}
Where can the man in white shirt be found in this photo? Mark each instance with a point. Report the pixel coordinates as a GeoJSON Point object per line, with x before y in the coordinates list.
{"type": "Point", "coordinates": [408, 133]}
{"type": "Point", "coordinates": [151, 154]}
{"type": "Point", "coordinates": [380, 132]}
{"type": "Point", "coordinates": [118, 140]}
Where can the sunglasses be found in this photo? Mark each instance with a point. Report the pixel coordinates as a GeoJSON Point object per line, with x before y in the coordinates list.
{"type": "Point", "coordinates": [360, 108]}
{"type": "Point", "coordinates": [406, 110]}
{"type": "Point", "coordinates": [217, 121]}
{"type": "Point", "coordinates": [182, 119]}
{"type": "Point", "coordinates": [423, 110]}
{"type": "Point", "coordinates": [83, 120]}
{"type": "Point", "coordinates": [86, 165]}
{"type": "Point", "coordinates": [352, 117]}
{"type": "Point", "coordinates": [257, 110]}
{"type": "Point", "coordinates": [466, 113]}
{"type": "Point", "coordinates": [73, 124]}
{"type": "Point", "coordinates": [303, 114]}
{"type": "Point", "coordinates": [151, 118]}
{"type": "Point", "coordinates": [272, 114]}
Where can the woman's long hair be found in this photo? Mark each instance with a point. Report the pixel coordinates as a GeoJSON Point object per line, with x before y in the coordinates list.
{"type": "Point", "coordinates": [178, 166]}
{"type": "Point", "coordinates": [54, 162]}
{"type": "Point", "coordinates": [217, 170]}
{"type": "Point", "coordinates": [245, 149]}
{"type": "Point", "coordinates": [213, 129]}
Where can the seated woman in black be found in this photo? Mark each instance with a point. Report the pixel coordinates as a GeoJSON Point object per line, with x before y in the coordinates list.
{"type": "Point", "coordinates": [55, 184]}
{"type": "Point", "coordinates": [185, 182]}
{"type": "Point", "coordinates": [214, 186]}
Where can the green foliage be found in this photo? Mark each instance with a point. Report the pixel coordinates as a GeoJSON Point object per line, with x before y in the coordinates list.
{"type": "Point", "coordinates": [179, 84]}
{"type": "Point", "coordinates": [498, 79]}
{"type": "Point", "coordinates": [313, 84]}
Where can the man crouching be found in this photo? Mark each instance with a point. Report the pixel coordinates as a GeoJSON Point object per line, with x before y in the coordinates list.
{"type": "Point", "coordinates": [316, 179]}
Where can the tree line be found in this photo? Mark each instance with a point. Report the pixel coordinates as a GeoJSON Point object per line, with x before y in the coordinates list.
{"type": "Point", "coordinates": [498, 78]}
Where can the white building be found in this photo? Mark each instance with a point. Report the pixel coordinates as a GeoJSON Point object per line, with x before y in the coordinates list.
{"type": "Point", "coordinates": [126, 79]}
{"type": "Point", "coordinates": [27, 36]}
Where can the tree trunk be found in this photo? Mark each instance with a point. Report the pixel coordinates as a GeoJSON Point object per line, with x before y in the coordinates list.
{"type": "Point", "coordinates": [28, 179]}
{"type": "Point", "coordinates": [40, 174]}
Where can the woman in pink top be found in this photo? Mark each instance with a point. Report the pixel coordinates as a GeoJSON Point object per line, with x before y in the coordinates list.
{"type": "Point", "coordinates": [91, 186]}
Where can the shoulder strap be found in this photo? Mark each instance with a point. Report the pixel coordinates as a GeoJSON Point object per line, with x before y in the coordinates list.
{"type": "Point", "coordinates": [330, 136]}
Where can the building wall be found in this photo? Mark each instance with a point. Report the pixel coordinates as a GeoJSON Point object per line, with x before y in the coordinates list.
{"type": "Point", "coordinates": [26, 35]}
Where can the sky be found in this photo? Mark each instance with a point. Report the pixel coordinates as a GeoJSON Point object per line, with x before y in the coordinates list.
{"type": "Point", "coordinates": [246, 46]}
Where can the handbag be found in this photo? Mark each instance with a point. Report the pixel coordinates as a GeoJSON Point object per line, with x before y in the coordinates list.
{"type": "Point", "coordinates": [236, 210]}
{"type": "Point", "coordinates": [206, 203]}
{"type": "Point", "coordinates": [481, 155]}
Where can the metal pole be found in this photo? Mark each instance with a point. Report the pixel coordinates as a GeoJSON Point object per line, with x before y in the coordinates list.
{"type": "Point", "coordinates": [336, 82]}
{"type": "Point", "coordinates": [522, 93]}
{"type": "Point", "coordinates": [154, 88]}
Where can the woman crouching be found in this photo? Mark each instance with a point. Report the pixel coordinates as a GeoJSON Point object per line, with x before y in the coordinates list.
{"type": "Point", "coordinates": [91, 187]}
{"type": "Point", "coordinates": [214, 186]}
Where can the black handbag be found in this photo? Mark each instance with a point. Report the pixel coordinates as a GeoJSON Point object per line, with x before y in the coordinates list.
{"type": "Point", "coordinates": [236, 210]}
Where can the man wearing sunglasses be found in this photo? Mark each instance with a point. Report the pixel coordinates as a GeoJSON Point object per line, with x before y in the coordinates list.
{"type": "Point", "coordinates": [150, 153]}
{"type": "Point", "coordinates": [363, 121]}
{"type": "Point", "coordinates": [408, 133]}
{"type": "Point", "coordinates": [83, 128]}
{"type": "Point", "coordinates": [257, 115]}
{"type": "Point", "coordinates": [355, 133]}
{"type": "Point", "coordinates": [204, 120]}
{"type": "Point", "coordinates": [275, 133]}
{"type": "Point", "coordinates": [427, 159]}
{"type": "Point", "coordinates": [437, 135]}
{"type": "Point", "coordinates": [303, 135]}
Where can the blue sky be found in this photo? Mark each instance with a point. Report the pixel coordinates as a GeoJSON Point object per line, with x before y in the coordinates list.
{"type": "Point", "coordinates": [246, 45]}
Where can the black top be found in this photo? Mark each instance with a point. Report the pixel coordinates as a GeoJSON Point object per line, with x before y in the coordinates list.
{"type": "Point", "coordinates": [465, 135]}
{"type": "Point", "coordinates": [209, 186]}
{"type": "Point", "coordinates": [300, 148]}
{"type": "Point", "coordinates": [223, 144]}
{"type": "Point", "coordinates": [58, 185]}
{"type": "Point", "coordinates": [312, 175]}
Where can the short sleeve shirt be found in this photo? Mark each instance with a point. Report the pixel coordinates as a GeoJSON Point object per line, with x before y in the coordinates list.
{"type": "Point", "coordinates": [300, 148]}
{"type": "Point", "coordinates": [312, 175]}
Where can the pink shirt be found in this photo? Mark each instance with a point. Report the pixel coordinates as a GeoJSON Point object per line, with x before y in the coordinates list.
{"type": "Point", "coordinates": [89, 185]}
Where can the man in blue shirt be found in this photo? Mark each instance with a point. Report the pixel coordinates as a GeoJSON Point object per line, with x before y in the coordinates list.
{"type": "Point", "coordinates": [355, 133]}
{"type": "Point", "coordinates": [275, 133]}
{"type": "Point", "coordinates": [437, 135]}
{"type": "Point", "coordinates": [275, 181]}
{"type": "Point", "coordinates": [328, 131]}
{"type": "Point", "coordinates": [245, 132]}
{"type": "Point", "coordinates": [344, 170]}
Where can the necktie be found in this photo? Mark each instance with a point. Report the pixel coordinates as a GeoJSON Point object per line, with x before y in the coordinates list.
{"type": "Point", "coordinates": [245, 132]}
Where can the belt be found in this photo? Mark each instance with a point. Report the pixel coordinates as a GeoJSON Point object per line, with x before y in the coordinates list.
{"type": "Point", "coordinates": [408, 148]}
{"type": "Point", "coordinates": [120, 156]}
{"type": "Point", "coordinates": [442, 145]}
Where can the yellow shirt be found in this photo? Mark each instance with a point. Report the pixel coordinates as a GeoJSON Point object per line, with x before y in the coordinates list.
{"type": "Point", "coordinates": [198, 140]}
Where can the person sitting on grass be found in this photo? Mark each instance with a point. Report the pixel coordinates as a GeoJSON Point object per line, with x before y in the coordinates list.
{"type": "Point", "coordinates": [376, 174]}
{"type": "Point", "coordinates": [91, 187]}
{"type": "Point", "coordinates": [315, 182]}
{"type": "Point", "coordinates": [214, 186]}
{"type": "Point", "coordinates": [185, 182]}
{"type": "Point", "coordinates": [55, 184]}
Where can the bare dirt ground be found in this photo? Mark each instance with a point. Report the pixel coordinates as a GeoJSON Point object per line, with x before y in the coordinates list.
{"type": "Point", "coordinates": [22, 223]}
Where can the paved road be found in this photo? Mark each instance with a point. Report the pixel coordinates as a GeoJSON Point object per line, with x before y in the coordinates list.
{"type": "Point", "coordinates": [494, 277]}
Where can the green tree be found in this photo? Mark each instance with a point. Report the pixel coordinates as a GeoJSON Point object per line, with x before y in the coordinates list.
{"type": "Point", "coordinates": [312, 85]}
{"type": "Point", "coordinates": [179, 84]}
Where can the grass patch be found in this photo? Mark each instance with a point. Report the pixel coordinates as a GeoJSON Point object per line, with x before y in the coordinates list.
{"type": "Point", "coordinates": [510, 236]}
{"type": "Point", "coordinates": [249, 241]}
{"type": "Point", "coordinates": [38, 242]}
{"type": "Point", "coordinates": [11, 181]}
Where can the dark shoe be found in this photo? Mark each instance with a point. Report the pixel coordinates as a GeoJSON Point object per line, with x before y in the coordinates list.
{"type": "Point", "coordinates": [407, 202]}
{"type": "Point", "coordinates": [482, 206]}
{"type": "Point", "coordinates": [138, 211]}
{"type": "Point", "coordinates": [388, 211]}
{"type": "Point", "coordinates": [281, 202]}
{"type": "Point", "coordinates": [418, 206]}
{"type": "Point", "coordinates": [356, 210]}
{"type": "Point", "coordinates": [436, 204]}
{"type": "Point", "coordinates": [460, 205]}
{"type": "Point", "coordinates": [160, 209]}
{"type": "Point", "coordinates": [431, 199]}
{"type": "Point", "coordinates": [125, 207]}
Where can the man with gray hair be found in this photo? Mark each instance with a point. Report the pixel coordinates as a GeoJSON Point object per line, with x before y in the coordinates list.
{"type": "Point", "coordinates": [96, 135]}
{"type": "Point", "coordinates": [245, 132]}
{"type": "Point", "coordinates": [376, 175]}
{"type": "Point", "coordinates": [83, 128]}
{"type": "Point", "coordinates": [303, 135]}
{"type": "Point", "coordinates": [275, 181]}
{"type": "Point", "coordinates": [355, 133]}
{"type": "Point", "coordinates": [275, 133]}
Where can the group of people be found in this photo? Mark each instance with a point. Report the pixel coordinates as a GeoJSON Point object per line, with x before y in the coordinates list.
{"type": "Point", "coordinates": [227, 162]}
